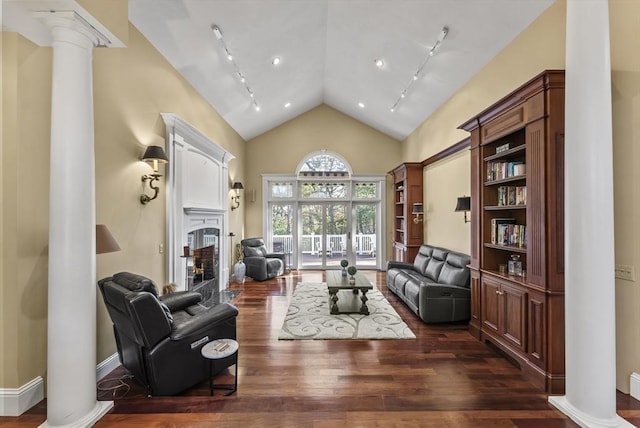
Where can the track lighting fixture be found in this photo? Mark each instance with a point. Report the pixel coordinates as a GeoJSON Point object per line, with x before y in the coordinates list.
{"type": "Point", "coordinates": [218, 33]}
{"type": "Point", "coordinates": [417, 74]}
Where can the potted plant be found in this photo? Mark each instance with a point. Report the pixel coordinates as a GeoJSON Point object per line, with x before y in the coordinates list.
{"type": "Point", "coordinates": [344, 263]}
{"type": "Point", "coordinates": [352, 271]}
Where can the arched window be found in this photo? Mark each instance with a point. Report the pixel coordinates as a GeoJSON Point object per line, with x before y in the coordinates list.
{"type": "Point", "coordinates": [323, 164]}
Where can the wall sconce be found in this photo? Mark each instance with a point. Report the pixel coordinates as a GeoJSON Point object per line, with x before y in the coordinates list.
{"type": "Point", "coordinates": [417, 210]}
{"type": "Point", "coordinates": [235, 200]}
{"type": "Point", "coordinates": [155, 155]}
{"type": "Point", "coordinates": [464, 204]}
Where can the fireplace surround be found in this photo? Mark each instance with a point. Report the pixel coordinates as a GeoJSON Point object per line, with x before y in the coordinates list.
{"type": "Point", "coordinates": [197, 204]}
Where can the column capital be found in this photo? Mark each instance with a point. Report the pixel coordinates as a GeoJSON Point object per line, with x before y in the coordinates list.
{"type": "Point", "coordinates": [70, 27]}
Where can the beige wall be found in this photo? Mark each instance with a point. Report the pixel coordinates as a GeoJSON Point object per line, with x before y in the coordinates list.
{"type": "Point", "coordinates": [283, 148]}
{"type": "Point", "coordinates": [25, 204]}
{"type": "Point", "coordinates": [443, 226]}
{"type": "Point", "coordinates": [539, 47]}
{"type": "Point", "coordinates": [132, 86]}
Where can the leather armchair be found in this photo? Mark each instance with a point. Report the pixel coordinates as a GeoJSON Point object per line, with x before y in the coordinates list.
{"type": "Point", "coordinates": [159, 338]}
{"type": "Point", "coordinates": [261, 265]}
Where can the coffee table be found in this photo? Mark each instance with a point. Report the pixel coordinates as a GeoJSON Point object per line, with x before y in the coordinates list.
{"type": "Point", "coordinates": [339, 285]}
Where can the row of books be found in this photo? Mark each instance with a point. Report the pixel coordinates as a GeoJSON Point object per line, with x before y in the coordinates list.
{"type": "Point", "coordinates": [501, 170]}
{"type": "Point", "coordinates": [505, 231]}
{"type": "Point", "coordinates": [512, 195]}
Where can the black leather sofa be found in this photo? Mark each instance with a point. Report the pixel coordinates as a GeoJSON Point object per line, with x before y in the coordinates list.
{"type": "Point", "coordinates": [261, 265]}
{"type": "Point", "coordinates": [159, 338]}
{"type": "Point", "coordinates": [435, 286]}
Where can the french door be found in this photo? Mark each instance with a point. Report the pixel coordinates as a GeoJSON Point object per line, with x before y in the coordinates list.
{"type": "Point", "coordinates": [323, 231]}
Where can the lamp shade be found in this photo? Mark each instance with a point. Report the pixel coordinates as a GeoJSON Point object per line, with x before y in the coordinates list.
{"type": "Point", "coordinates": [105, 242]}
{"type": "Point", "coordinates": [238, 185]}
{"type": "Point", "coordinates": [463, 204]}
{"type": "Point", "coordinates": [155, 153]}
{"type": "Point", "coordinates": [417, 209]}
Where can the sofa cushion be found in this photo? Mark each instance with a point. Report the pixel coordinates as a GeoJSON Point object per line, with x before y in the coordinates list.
{"type": "Point", "coordinates": [412, 294]}
{"type": "Point", "coordinates": [433, 270]}
{"type": "Point", "coordinates": [455, 271]}
{"type": "Point", "coordinates": [422, 259]}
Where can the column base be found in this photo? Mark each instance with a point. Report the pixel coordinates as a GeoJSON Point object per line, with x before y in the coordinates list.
{"type": "Point", "coordinates": [584, 420]}
{"type": "Point", "coordinates": [100, 409]}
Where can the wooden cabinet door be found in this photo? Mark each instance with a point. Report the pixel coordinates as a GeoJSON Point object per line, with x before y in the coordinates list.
{"type": "Point", "coordinates": [537, 327]}
{"type": "Point", "coordinates": [514, 315]}
{"type": "Point", "coordinates": [476, 308]}
{"type": "Point", "coordinates": [490, 304]}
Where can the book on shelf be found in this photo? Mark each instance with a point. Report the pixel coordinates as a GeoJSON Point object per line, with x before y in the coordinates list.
{"type": "Point", "coordinates": [512, 195]}
{"type": "Point", "coordinates": [496, 224]}
{"type": "Point", "coordinates": [505, 231]}
{"type": "Point", "coordinates": [501, 170]}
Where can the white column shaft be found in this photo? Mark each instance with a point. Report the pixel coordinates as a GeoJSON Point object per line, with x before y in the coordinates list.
{"type": "Point", "coordinates": [71, 377]}
{"type": "Point", "coordinates": [589, 287]}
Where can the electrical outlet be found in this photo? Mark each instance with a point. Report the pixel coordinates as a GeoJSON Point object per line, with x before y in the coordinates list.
{"type": "Point", "coordinates": [625, 272]}
{"type": "Point", "coordinates": [161, 248]}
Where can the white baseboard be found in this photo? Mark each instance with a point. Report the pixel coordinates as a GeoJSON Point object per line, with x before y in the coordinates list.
{"type": "Point", "coordinates": [635, 385]}
{"type": "Point", "coordinates": [107, 366]}
{"type": "Point", "coordinates": [16, 401]}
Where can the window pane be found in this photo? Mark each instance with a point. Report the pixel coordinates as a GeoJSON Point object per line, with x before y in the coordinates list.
{"type": "Point", "coordinates": [324, 190]}
{"type": "Point", "coordinates": [323, 163]}
{"type": "Point", "coordinates": [366, 191]}
{"type": "Point", "coordinates": [281, 227]}
{"type": "Point", "coordinates": [281, 190]}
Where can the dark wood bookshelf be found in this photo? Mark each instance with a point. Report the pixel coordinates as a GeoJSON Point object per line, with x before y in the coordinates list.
{"type": "Point", "coordinates": [521, 315]}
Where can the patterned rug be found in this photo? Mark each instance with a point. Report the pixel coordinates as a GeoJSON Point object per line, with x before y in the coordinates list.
{"type": "Point", "coordinates": [308, 317]}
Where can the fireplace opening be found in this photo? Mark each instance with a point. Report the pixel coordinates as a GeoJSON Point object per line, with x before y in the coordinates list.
{"type": "Point", "coordinates": [203, 273]}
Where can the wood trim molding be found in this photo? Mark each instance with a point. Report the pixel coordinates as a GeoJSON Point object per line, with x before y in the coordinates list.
{"type": "Point", "coordinates": [457, 147]}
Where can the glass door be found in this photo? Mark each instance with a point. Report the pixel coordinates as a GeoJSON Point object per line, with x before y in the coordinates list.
{"type": "Point", "coordinates": [365, 219]}
{"type": "Point", "coordinates": [324, 240]}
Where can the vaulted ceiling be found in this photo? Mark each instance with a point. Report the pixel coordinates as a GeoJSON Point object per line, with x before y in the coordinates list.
{"type": "Point", "coordinates": [327, 50]}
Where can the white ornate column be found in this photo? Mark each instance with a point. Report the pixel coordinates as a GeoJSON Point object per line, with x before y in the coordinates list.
{"type": "Point", "coordinates": [71, 347]}
{"type": "Point", "coordinates": [590, 398]}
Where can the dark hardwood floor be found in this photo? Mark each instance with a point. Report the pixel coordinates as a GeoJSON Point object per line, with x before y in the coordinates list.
{"type": "Point", "coordinates": [443, 378]}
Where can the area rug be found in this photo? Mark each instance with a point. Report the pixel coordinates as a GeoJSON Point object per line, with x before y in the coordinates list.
{"type": "Point", "coordinates": [308, 318]}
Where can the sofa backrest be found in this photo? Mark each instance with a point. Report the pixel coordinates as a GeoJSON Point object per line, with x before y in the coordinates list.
{"type": "Point", "coordinates": [454, 271]}
{"type": "Point", "coordinates": [422, 259]}
{"type": "Point", "coordinates": [438, 257]}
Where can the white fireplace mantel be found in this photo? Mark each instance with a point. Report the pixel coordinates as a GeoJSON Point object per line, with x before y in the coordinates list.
{"type": "Point", "coordinates": [197, 191]}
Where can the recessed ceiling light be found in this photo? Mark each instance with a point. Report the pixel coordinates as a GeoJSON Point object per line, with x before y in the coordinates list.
{"type": "Point", "coordinates": [379, 62]}
{"type": "Point", "coordinates": [361, 104]}
{"type": "Point", "coordinates": [275, 61]}
{"type": "Point", "coordinates": [287, 105]}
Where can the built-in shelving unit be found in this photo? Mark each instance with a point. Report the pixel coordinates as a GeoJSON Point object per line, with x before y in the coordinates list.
{"type": "Point", "coordinates": [517, 223]}
{"type": "Point", "coordinates": [407, 233]}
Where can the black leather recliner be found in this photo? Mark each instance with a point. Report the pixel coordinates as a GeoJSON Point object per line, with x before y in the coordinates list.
{"type": "Point", "coordinates": [261, 265]}
{"type": "Point", "coordinates": [159, 338]}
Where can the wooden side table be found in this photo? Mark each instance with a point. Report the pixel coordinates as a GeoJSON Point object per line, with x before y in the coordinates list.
{"type": "Point", "coordinates": [222, 349]}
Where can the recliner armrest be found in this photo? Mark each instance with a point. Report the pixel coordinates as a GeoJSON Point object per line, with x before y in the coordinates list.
{"type": "Point", "coordinates": [203, 321]}
{"type": "Point", "coordinates": [399, 265]}
{"type": "Point", "coordinates": [180, 300]}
